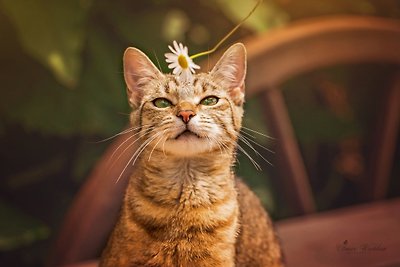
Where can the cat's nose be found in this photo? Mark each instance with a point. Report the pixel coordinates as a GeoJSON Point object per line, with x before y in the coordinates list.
{"type": "Point", "coordinates": [186, 115]}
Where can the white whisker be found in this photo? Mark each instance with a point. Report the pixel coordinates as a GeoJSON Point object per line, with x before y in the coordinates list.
{"type": "Point", "coordinates": [136, 154]}
{"type": "Point", "coordinates": [257, 144]}
{"type": "Point", "coordinates": [256, 165]}
{"type": "Point", "coordinates": [120, 155]}
{"type": "Point", "coordinates": [254, 131]}
{"type": "Point", "coordinates": [144, 145]}
{"type": "Point", "coordinates": [161, 137]}
{"type": "Point", "coordinates": [249, 135]}
{"type": "Point", "coordinates": [252, 148]}
{"type": "Point", "coordinates": [130, 129]}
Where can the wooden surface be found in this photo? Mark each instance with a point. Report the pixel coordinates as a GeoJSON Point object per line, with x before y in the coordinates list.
{"type": "Point", "coordinates": [320, 239]}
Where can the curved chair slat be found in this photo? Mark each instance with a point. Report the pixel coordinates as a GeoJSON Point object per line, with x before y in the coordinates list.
{"type": "Point", "coordinates": [276, 56]}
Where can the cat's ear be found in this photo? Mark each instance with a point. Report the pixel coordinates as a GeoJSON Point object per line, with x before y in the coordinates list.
{"type": "Point", "coordinates": [138, 71]}
{"type": "Point", "coordinates": [230, 72]}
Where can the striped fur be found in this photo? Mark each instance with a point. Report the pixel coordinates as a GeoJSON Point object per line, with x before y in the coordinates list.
{"type": "Point", "coordinates": [183, 205]}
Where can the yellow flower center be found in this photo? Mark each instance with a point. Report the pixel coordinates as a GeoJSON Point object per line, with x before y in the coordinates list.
{"type": "Point", "coordinates": [183, 62]}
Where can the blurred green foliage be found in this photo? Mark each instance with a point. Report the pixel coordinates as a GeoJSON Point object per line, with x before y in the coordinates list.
{"type": "Point", "coordinates": [52, 33]}
{"type": "Point", "coordinates": [17, 229]}
{"type": "Point", "coordinates": [62, 88]}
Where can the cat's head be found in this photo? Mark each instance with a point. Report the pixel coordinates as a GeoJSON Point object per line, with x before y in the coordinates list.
{"type": "Point", "coordinates": [187, 118]}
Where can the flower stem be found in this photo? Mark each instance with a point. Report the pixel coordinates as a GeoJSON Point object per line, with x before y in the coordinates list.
{"type": "Point", "coordinates": [228, 35]}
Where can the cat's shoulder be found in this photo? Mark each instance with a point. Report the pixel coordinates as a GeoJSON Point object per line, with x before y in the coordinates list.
{"type": "Point", "coordinates": [244, 192]}
{"type": "Point", "coordinates": [257, 244]}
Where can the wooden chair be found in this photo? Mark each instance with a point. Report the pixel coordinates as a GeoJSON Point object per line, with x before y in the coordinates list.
{"type": "Point", "coordinates": [316, 239]}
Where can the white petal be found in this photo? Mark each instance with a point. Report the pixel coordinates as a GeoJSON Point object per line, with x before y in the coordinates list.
{"type": "Point", "coordinates": [177, 70]}
{"type": "Point", "coordinates": [194, 66]}
{"type": "Point", "coordinates": [176, 46]}
{"type": "Point", "coordinates": [170, 55]}
{"type": "Point", "coordinates": [171, 59]}
{"type": "Point", "coordinates": [173, 65]}
{"type": "Point", "coordinates": [172, 50]}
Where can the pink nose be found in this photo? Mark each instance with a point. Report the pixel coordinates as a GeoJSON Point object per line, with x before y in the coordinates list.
{"type": "Point", "coordinates": [186, 115]}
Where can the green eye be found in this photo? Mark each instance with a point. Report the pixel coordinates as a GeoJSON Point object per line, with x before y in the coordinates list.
{"type": "Point", "coordinates": [209, 101]}
{"type": "Point", "coordinates": [162, 103]}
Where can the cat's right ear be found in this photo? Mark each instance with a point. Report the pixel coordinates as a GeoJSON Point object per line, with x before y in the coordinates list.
{"type": "Point", "coordinates": [138, 72]}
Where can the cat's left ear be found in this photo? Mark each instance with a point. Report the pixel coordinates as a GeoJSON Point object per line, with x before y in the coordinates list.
{"type": "Point", "coordinates": [230, 72]}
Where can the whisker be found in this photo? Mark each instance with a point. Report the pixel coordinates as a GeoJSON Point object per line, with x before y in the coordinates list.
{"type": "Point", "coordinates": [120, 155]}
{"type": "Point", "coordinates": [133, 156]}
{"type": "Point", "coordinates": [129, 138]}
{"type": "Point", "coordinates": [144, 145]}
{"type": "Point", "coordinates": [254, 131]}
{"type": "Point", "coordinates": [256, 165]}
{"type": "Point", "coordinates": [131, 129]}
{"type": "Point", "coordinates": [116, 150]}
{"type": "Point", "coordinates": [223, 145]}
{"type": "Point", "coordinates": [113, 136]}
{"type": "Point", "coordinates": [156, 145]}
{"type": "Point", "coordinates": [257, 144]}
{"type": "Point", "coordinates": [123, 171]}
{"type": "Point", "coordinates": [255, 151]}
{"type": "Point", "coordinates": [219, 145]}
{"type": "Point", "coordinates": [248, 134]}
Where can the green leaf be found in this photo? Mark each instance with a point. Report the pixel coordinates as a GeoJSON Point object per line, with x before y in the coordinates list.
{"type": "Point", "coordinates": [39, 103]}
{"type": "Point", "coordinates": [18, 229]}
{"type": "Point", "coordinates": [52, 33]}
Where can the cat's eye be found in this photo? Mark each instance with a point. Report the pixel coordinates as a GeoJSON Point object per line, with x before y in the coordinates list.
{"type": "Point", "coordinates": [209, 101]}
{"type": "Point", "coordinates": [162, 103]}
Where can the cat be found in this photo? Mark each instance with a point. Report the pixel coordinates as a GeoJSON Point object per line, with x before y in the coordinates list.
{"type": "Point", "coordinates": [183, 205]}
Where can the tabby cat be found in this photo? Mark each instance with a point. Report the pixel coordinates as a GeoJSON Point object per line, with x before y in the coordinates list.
{"type": "Point", "coordinates": [183, 205]}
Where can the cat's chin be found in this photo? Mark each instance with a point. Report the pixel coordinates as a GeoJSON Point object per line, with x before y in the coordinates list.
{"type": "Point", "coordinates": [187, 144]}
{"type": "Point", "coordinates": [187, 135]}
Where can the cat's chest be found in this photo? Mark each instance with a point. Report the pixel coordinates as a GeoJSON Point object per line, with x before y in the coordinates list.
{"type": "Point", "coordinates": [185, 189]}
{"type": "Point", "coordinates": [187, 184]}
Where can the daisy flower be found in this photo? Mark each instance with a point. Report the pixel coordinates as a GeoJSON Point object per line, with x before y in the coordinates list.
{"type": "Point", "coordinates": [180, 62]}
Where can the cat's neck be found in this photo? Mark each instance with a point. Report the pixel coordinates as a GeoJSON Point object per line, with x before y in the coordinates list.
{"type": "Point", "coordinates": [198, 181]}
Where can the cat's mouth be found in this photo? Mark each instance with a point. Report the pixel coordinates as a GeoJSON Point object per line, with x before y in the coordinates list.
{"type": "Point", "coordinates": [186, 134]}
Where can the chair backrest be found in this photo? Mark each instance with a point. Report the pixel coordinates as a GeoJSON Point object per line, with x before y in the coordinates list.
{"type": "Point", "coordinates": [272, 59]}
{"type": "Point", "coordinates": [312, 45]}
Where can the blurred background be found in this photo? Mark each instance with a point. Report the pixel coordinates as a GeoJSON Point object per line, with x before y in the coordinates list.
{"type": "Point", "coordinates": [62, 90]}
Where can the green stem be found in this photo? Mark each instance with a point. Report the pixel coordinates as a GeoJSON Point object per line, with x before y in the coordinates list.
{"type": "Point", "coordinates": [226, 36]}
